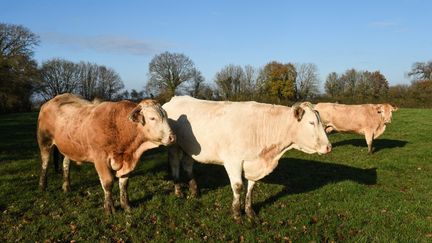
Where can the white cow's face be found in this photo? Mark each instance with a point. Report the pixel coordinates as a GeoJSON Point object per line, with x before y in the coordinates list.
{"type": "Point", "coordinates": [385, 110]}
{"type": "Point", "coordinates": [153, 122]}
{"type": "Point", "coordinates": [309, 136]}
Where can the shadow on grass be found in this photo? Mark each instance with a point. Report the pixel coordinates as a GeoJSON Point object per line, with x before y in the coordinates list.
{"type": "Point", "coordinates": [378, 144]}
{"type": "Point", "coordinates": [300, 176]}
{"type": "Point", "coordinates": [296, 175]}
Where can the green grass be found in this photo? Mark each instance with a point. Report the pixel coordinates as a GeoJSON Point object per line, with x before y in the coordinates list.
{"type": "Point", "coordinates": [346, 195]}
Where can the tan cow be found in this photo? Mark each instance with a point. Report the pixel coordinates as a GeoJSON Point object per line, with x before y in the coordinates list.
{"type": "Point", "coordinates": [112, 135]}
{"type": "Point", "coordinates": [367, 119]}
{"type": "Point", "coordinates": [244, 137]}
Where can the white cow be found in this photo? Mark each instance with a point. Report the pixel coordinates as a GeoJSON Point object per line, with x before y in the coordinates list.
{"type": "Point", "coordinates": [247, 137]}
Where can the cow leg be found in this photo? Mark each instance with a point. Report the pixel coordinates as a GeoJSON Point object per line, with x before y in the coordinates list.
{"type": "Point", "coordinates": [235, 175]}
{"type": "Point", "coordinates": [369, 141]}
{"type": "Point", "coordinates": [66, 169]}
{"type": "Point", "coordinates": [124, 198]}
{"type": "Point", "coordinates": [329, 129]}
{"type": "Point", "coordinates": [187, 162]}
{"type": "Point", "coordinates": [248, 202]}
{"type": "Point", "coordinates": [106, 178]}
{"type": "Point", "coordinates": [174, 161]}
{"type": "Point", "coordinates": [45, 156]}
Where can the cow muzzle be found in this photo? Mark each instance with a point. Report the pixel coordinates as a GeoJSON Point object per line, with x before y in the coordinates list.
{"type": "Point", "coordinates": [171, 139]}
{"type": "Point", "coordinates": [325, 149]}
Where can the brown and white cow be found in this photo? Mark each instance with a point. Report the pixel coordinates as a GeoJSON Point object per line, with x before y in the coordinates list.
{"type": "Point", "coordinates": [367, 119]}
{"type": "Point", "coordinates": [244, 137]}
{"type": "Point", "coordinates": [112, 135]}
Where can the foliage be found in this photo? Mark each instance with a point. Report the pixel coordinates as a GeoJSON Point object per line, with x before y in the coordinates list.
{"type": "Point", "coordinates": [357, 86]}
{"type": "Point", "coordinates": [279, 80]}
{"type": "Point", "coordinates": [18, 69]}
{"type": "Point", "coordinates": [422, 92]}
{"type": "Point", "coordinates": [336, 197]}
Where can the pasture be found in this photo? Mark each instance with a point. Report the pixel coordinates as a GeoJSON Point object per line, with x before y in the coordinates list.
{"type": "Point", "coordinates": [346, 195]}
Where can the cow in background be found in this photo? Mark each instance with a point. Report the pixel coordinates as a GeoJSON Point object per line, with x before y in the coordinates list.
{"type": "Point", "coordinates": [369, 120]}
{"type": "Point", "coordinates": [112, 135]}
{"type": "Point", "coordinates": [244, 137]}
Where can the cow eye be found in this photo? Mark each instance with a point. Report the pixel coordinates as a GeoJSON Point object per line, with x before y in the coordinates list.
{"type": "Point", "coordinates": [152, 118]}
{"type": "Point", "coordinates": [312, 123]}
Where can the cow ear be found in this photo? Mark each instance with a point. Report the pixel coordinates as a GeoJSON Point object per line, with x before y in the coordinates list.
{"type": "Point", "coordinates": [298, 113]}
{"type": "Point", "coordinates": [394, 108]}
{"type": "Point", "coordinates": [379, 108]}
{"type": "Point", "coordinates": [136, 115]}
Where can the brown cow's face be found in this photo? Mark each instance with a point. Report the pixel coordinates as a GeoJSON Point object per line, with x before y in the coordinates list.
{"type": "Point", "coordinates": [385, 110]}
{"type": "Point", "coordinates": [153, 122]}
{"type": "Point", "coordinates": [310, 136]}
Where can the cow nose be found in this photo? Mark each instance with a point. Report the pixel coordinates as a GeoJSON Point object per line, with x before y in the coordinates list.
{"type": "Point", "coordinates": [172, 138]}
{"type": "Point", "coordinates": [329, 148]}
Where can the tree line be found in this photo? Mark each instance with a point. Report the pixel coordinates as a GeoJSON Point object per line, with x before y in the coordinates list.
{"type": "Point", "coordinates": [286, 83]}
{"type": "Point", "coordinates": [23, 81]}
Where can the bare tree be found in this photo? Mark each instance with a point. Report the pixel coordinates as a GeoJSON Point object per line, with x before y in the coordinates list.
{"type": "Point", "coordinates": [251, 80]}
{"type": "Point", "coordinates": [88, 80]}
{"type": "Point", "coordinates": [197, 87]}
{"type": "Point", "coordinates": [16, 40]}
{"type": "Point", "coordinates": [58, 76]}
{"type": "Point", "coordinates": [168, 71]}
{"type": "Point", "coordinates": [136, 96]}
{"type": "Point", "coordinates": [109, 83]}
{"type": "Point", "coordinates": [229, 81]}
{"type": "Point", "coordinates": [307, 81]}
{"type": "Point", "coordinates": [350, 80]}
{"type": "Point", "coordinates": [333, 85]}
{"type": "Point", "coordinates": [421, 71]}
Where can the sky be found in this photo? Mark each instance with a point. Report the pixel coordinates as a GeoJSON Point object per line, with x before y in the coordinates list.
{"type": "Point", "coordinates": [388, 36]}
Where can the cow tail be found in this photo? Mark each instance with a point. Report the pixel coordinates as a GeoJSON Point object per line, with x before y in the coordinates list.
{"type": "Point", "coordinates": [56, 158]}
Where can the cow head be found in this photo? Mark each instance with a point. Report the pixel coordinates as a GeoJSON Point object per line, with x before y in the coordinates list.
{"type": "Point", "coordinates": [153, 122]}
{"type": "Point", "coordinates": [309, 135]}
{"type": "Point", "coordinates": [385, 110]}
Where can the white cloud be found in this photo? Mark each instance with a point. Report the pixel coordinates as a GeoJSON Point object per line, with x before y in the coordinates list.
{"type": "Point", "coordinates": [383, 24]}
{"type": "Point", "coordinates": [389, 26]}
{"type": "Point", "coordinates": [105, 43]}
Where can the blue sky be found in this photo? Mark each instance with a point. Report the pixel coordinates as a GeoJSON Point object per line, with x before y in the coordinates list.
{"type": "Point", "coordinates": [335, 35]}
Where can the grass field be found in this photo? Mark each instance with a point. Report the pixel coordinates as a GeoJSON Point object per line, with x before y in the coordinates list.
{"type": "Point", "coordinates": [346, 195]}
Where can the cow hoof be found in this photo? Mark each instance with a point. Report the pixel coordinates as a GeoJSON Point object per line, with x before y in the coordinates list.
{"type": "Point", "coordinates": [250, 213]}
{"type": "Point", "coordinates": [237, 219]}
{"type": "Point", "coordinates": [194, 193]}
{"type": "Point", "coordinates": [178, 191]}
{"type": "Point", "coordinates": [109, 209]}
{"type": "Point", "coordinates": [126, 207]}
{"type": "Point", "coordinates": [193, 189]}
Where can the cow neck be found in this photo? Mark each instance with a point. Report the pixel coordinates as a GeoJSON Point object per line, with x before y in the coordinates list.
{"type": "Point", "coordinates": [276, 129]}
{"type": "Point", "coordinates": [138, 145]}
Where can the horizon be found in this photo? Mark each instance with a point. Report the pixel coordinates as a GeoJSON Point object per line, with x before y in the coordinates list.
{"type": "Point", "coordinates": [374, 36]}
